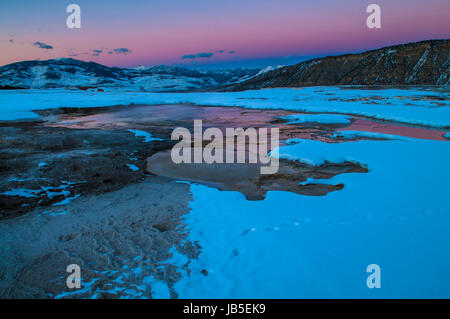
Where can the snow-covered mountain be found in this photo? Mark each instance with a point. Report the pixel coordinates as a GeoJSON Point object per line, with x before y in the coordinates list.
{"type": "Point", "coordinates": [72, 73]}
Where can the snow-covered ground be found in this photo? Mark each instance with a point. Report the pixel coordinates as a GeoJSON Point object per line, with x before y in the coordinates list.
{"type": "Point", "coordinates": [396, 216]}
{"type": "Point", "coordinates": [317, 118]}
{"type": "Point", "coordinates": [358, 134]}
{"type": "Point", "coordinates": [430, 107]}
{"type": "Point", "coordinates": [288, 245]}
{"type": "Point", "coordinates": [146, 135]}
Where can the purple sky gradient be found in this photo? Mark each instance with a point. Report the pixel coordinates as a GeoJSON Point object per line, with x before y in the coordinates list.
{"type": "Point", "coordinates": [236, 32]}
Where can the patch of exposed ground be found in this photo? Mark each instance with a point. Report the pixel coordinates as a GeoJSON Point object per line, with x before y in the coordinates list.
{"type": "Point", "coordinates": [48, 164]}
{"type": "Point", "coordinates": [247, 179]}
{"type": "Point", "coordinates": [119, 239]}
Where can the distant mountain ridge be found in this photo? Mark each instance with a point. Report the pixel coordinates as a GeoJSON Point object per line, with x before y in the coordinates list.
{"type": "Point", "coordinates": [72, 73]}
{"type": "Point", "coordinates": [419, 63]}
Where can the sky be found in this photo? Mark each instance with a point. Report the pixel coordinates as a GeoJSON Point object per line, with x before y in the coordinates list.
{"type": "Point", "coordinates": [211, 33]}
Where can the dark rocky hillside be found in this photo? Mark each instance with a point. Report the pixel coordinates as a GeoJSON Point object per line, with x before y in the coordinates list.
{"type": "Point", "coordinates": [420, 63]}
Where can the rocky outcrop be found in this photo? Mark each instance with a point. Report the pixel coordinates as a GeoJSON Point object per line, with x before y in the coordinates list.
{"type": "Point", "coordinates": [420, 63]}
